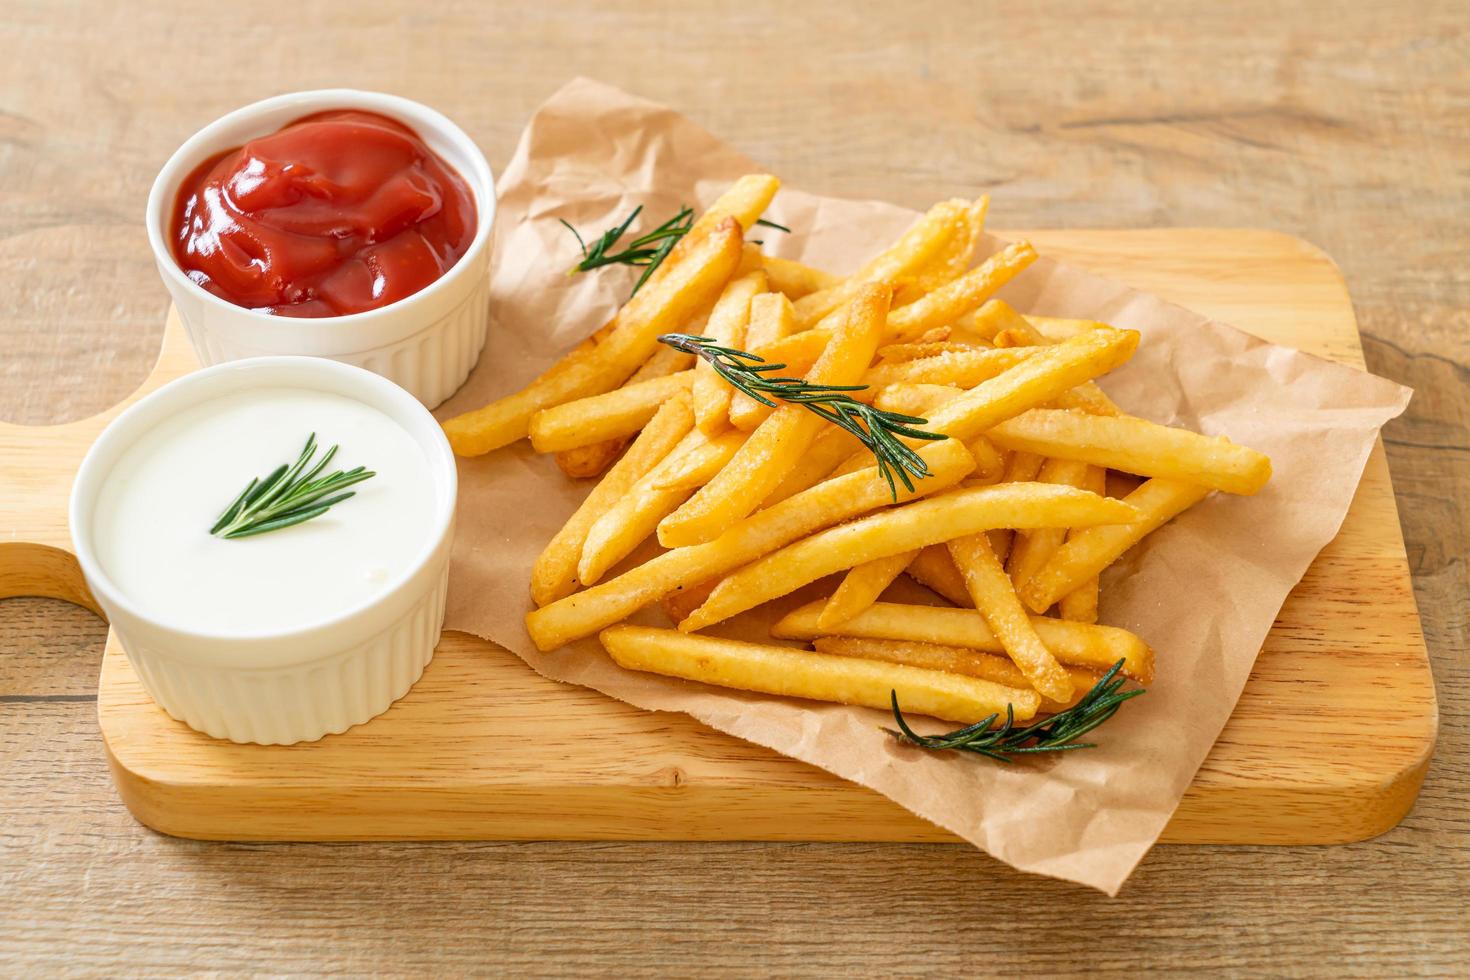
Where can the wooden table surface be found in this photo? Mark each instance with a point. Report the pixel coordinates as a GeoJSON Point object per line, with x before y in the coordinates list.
{"type": "Point", "coordinates": [1346, 124]}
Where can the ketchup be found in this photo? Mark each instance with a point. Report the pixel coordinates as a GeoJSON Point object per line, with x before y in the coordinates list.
{"type": "Point", "coordinates": [339, 212]}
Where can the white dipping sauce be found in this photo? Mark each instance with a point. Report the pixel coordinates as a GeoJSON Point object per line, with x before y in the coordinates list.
{"type": "Point", "coordinates": [156, 506]}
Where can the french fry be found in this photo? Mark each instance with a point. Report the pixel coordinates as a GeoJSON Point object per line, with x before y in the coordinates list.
{"type": "Point", "coordinates": [906, 528]}
{"type": "Point", "coordinates": [1020, 468]}
{"type": "Point", "coordinates": [915, 350]}
{"type": "Point", "coordinates": [830, 448]}
{"type": "Point", "coordinates": [610, 415]}
{"type": "Point", "coordinates": [771, 319]}
{"type": "Point", "coordinates": [710, 393]}
{"type": "Point", "coordinates": [673, 298]}
{"type": "Point", "coordinates": [1055, 329]}
{"type": "Point", "coordinates": [862, 586]}
{"type": "Point", "coordinates": [1080, 605]}
{"type": "Point", "coordinates": [796, 280]}
{"type": "Point", "coordinates": [1134, 446]}
{"type": "Point", "coordinates": [957, 254]}
{"type": "Point", "coordinates": [996, 599]}
{"type": "Point", "coordinates": [954, 299]}
{"type": "Point", "coordinates": [591, 460]}
{"type": "Point", "coordinates": [684, 600]}
{"type": "Point", "coordinates": [954, 660]}
{"type": "Point", "coordinates": [1049, 372]}
{"type": "Point", "coordinates": [989, 463]}
{"type": "Point", "coordinates": [1087, 396]}
{"type": "Point", "coordinates": [555, 573]}
{"type": "Point", "coordinates": [1032, 550]}
{"type": "Point", "coordinates": [586, 462]}
{"type": "Point", "coordinates": [768, 669]}
{"type": "Point", "coordinates": [992, 318]}
{"type": "Point", "coordinates": [777, 445]}
{"type": "Point", "coordinates": [915, 399]}
{"type": "Point", "coordinates": [625, 525]}
{"type": "Point", "coordinates": [766, 530]}
{"type": "Point", "coordinates": [1074, 644]}
{"type": "Point", "coordinates": [1084, 556]}
{"type": "Point", "coordinates": [934, 569]}
{"type": "Point", "coordinates": [798, 352]}
{"type": "Point", "coordinates": [913, 250]}
{"type": "Point", "coordinates": [964, 369]}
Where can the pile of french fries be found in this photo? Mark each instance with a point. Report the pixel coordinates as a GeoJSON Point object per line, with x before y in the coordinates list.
{"type": "Point", "coordinates": [1034, 491]}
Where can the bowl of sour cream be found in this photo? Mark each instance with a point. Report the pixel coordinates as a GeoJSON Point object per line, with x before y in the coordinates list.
{"type": "Point", "coordinates": [321, 603]}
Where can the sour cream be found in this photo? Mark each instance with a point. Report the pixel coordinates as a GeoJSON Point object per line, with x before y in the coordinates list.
{"type": "Point", "coordinates": [154, 511]}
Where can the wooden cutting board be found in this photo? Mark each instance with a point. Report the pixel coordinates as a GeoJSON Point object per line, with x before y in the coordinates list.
{"type": "Point", "coordinates": [1329, 743]}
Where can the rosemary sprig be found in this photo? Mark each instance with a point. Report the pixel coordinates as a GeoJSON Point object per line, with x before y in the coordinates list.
{"type": "Point", "coordinates": [876, 429]}
{"type": "Point", "coordinates": [1059, 733]}
{"type": "Point", "coordinates": [646, 251]}
{"type": "Point", "coordinates": [289, 495]}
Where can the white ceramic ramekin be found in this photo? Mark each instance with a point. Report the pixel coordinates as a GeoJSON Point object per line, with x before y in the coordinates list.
{"type": "Point", "coordinates": [287, 686]}
{"type": "Point", "coordinates": [427, 342]}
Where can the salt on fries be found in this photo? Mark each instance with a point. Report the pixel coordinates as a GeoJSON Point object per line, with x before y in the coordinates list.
{"type": "Point", "coordinates": [1007, 517]}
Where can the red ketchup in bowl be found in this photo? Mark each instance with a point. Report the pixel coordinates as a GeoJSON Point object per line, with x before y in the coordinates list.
{"type": "Point", "coordinates": [337, 213]}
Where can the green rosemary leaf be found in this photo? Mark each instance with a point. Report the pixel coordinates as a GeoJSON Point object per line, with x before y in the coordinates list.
{"type": "Point", "coordinates": [647, 251]}
{"type": "Point", "coordinates": [873, 427]}
{"type": "Point", "coordinates": [1059, 733]}
{"type": "Point", "coordinates": [772, 224]}
{"type": "Point", "coordinates": [289, 495]}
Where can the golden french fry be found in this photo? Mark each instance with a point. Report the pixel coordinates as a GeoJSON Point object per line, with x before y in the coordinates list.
{"type": "Point", "coordinates": [1055, 329]}
{"type": "Point", "coordinates": [766, 530]}
{"type": "Point", "coordinates": [610, 415]}
{"type": "Point", "coordinates": [1134, 446]}
{"type": "Point", "coordinates": [957, 254]}
{"type": "Point", "coordinates": [710, 394]}
{"type": "Point", "coordinates": [914, 399]}
{"type": "Point", "coordinates": [1020, 468]}
{"type": "Point", "coordinates": [992, 318]}
{"type": "Point", "coordinates": [769, 669]}
{"type": "Point", "coordinates": [898, 353]}
{"type": "Point", "coordinates": [777, 445]}
{"type": "Point", "coordinates": [1074, 644]}
{"type": "Point", "coordinates": [934, 569]}
{"type": "Point", "coordinates": [995, 598]}
{"type": "Point", "coordinates": [1157, 501]}
{"type": "Point", "coordinates": [625, 525]}
{"type": "Point", "coordinates": [964, 369]}
{"type": "Point", "coordinates": [954, 299]}
{"type": "Point", "coordinates": [1033, 549]}
{"type": "Point", "coordinates": [795, 279]}
{"type": "Point", "coordinates": [1049, 372]}
{"type": "Point", "coordinates": [591, 460]}
{"type": "Point", "coordinates": [1080, 605]}
{"type": "Point", "coordinates": [989, 463]}
{"type": "Point", "coordinates": [555, 573]}
{"type": "Point", "coordinates": [954, 660]}
{"type": "Point", "coordinates": [585, 462]}
{"type": "Point", "coordinates": [798, 352]}
{"type": "Point", "coordinates": [905, 528]}
{"type": "Point", "coordinates": [862, 586]}
{"type": "Point", "coordinates": [771, 318]}
{"type": "Point", "coordinates": [672, 299]}
{"type": "Point", "coordinates": [684, 600]}
{"type": "Point", "coordinates": [913, 250]}
{"type": "Point", "coordinates": [830, 448]}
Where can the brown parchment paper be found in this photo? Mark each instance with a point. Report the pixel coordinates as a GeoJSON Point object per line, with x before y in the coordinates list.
{"type": "Point", "coordinates": [1203, 591]}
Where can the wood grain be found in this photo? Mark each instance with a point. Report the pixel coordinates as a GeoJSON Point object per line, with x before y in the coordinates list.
{"type": "Point", "coordinates": [1343, 123]}
{"type": "Point", "coordinates": [483, 748]}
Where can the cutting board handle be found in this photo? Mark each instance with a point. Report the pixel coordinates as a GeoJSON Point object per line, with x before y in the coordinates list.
{"type": "Point", "coordinates": [39, 464]}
